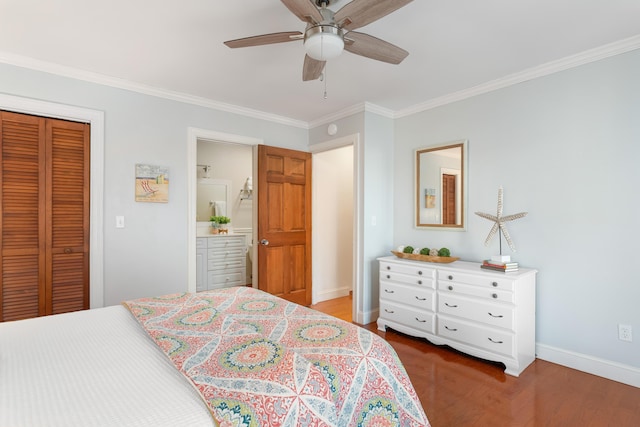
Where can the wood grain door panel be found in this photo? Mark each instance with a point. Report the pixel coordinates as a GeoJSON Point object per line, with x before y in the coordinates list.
{"type": "Point", "coordinates": [284, 221]}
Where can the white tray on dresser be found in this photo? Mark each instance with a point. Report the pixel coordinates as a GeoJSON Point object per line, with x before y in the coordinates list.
{"type": "Point", "coordinates": [487, 314]}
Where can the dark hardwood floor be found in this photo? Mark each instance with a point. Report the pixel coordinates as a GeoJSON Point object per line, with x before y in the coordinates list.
{"type": "Point", "coordinates": [459, 390]}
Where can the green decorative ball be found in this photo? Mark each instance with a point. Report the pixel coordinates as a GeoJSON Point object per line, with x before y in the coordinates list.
{"type": "Point", "coordinates": [424, 251]}
{"type": "Point", "coordinates": [444, 252]}
{"type": "Point", "coordinates": [408, 249]}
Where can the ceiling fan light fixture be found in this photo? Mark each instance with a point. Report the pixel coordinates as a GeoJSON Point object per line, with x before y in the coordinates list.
{"type": "Point", "coordinates": [323, 42]}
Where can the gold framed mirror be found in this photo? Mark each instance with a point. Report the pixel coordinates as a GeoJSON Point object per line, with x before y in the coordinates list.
{"type": "Point", "coordinates": [441, 187]}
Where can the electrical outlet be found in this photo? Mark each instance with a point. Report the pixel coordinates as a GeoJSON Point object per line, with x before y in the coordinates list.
{"type": "Point", "coordinates": [624, 333]}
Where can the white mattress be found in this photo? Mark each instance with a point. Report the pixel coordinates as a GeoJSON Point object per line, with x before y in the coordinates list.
{"type": "Point", "coordinates": [91, 368]}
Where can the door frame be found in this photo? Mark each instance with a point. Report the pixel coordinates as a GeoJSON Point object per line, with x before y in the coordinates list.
{"type": "Point", "coordinates": [193, 135]}
{"type": "Point", "coordinates": [96, 215]}
{"type": "Point", "coordinates": [357, 311]}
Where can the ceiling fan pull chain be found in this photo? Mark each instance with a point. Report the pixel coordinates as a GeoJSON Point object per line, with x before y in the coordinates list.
{"type": "Point", "coordinates": [324, 78]}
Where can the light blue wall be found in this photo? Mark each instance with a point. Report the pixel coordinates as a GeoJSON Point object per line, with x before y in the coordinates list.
{"type": "Point", "coordinates": [566, 149]}
{"type": "Point", "coordinates": [149, 256]}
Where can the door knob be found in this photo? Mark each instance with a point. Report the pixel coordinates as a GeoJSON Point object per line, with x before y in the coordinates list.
{"type": "Point", "coordinates": [264, 242]}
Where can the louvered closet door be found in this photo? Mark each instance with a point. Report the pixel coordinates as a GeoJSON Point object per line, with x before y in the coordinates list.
{"type": "Point", "coordinates": [23, 248]}
{"type": "Point", "coordinates": [44, 192]}
{"type": "Point", "coordinates": [67, 230]}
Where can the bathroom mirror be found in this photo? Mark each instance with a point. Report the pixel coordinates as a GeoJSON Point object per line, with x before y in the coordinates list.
{"type": "Point", "coordinates": [441, 188]}
{"type": "Point", "coordinates": [213, 198]}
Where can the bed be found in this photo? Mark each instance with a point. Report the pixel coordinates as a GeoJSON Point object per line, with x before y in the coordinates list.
{"type": "Point", "coordinates": [229, 357]}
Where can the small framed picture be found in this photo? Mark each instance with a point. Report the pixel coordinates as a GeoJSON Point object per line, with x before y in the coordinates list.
{"type": "Point", "coordinates": [152, 183]}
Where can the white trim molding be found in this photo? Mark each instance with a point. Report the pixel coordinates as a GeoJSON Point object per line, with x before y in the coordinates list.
{"type": "Point", "coordinates": [614, 371]}
{"type": "Point", "coordinates": [101, 79]}
{"type": "Point", "coordinates": [96, 215]}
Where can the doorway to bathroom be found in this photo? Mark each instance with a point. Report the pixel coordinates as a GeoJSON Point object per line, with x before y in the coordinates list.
{"type": "Point", "coordinates": [225, 189]}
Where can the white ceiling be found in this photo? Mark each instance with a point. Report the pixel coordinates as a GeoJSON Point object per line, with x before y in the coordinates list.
{"type": "Point", "coordinates": [176, 46]}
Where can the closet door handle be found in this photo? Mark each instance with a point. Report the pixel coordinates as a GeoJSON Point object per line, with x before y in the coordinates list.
{"type": "Point", "coordinates": [67, 250]}
{"type": "Point", "coordinates": [264, 242]}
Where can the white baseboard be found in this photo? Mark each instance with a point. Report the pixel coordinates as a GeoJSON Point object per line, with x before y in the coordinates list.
{"type": "Point", "coordinates": [364, 318]}
{"type": "Point", "coordinates": [331, 294]}
{"type": "Point", "coordinates": [614, 371]}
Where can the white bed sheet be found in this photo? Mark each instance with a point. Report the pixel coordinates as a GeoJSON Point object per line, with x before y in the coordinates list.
{"type": "Point", "coordinates": [91, 368]}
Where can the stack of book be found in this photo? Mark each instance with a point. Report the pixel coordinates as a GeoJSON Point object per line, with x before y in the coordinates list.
{"type": "Point", "coordinates": [499, 266]}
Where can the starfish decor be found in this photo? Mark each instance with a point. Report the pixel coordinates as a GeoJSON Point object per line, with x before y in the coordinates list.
{"type": "Point", "coordinates": [500, 223]}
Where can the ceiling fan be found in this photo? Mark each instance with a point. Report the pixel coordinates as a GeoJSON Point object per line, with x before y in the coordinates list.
{"type": "Point", "coordinates": [328, 33]}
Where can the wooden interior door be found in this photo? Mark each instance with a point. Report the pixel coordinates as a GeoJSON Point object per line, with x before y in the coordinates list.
{"type": "Point", "coordinates": [448, 199]}
{"type": "Point", "coordinates": [44, 222]}
{"type": "Point", "coordinates": [284, 223]}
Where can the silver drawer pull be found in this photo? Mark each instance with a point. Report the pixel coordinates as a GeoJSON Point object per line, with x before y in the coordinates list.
{"type": "Point", "coordinates": [452, 329]}
{"type": "Point", "coordinates": [421, 321]}
{"type": "Point", "coordinates": [450, 287]}
{"type": "Point", "coordinates": [494, 295]}
{"type": "Point", "coordinates": [420, 299]}
{"type": "Point", "coordinates": [393, 292]}
{"type": "Point", "coordinates": [494, 284]}
{"type": "Point", "coordinates": [496, 342]}
{"type": "Point", "coordinates": [450, 305]}
{"type": "Point", "coordinates": [494, 315]}
{"type": "Point", "coordinates": [389, 311]}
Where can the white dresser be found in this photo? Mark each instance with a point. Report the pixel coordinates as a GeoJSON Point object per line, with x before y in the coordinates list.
{"type": "Point", "coordinates": [220, 261]}
{"type": "Point", "coordinates": [487, 314]}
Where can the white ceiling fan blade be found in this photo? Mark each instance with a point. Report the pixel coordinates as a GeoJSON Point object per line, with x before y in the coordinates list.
{"type": "Point", "coordinates": [359, 13]}
{"type": "Point", "coordinates": [305, 10]}
{"type": "Point", "coordinates": [374, 48]}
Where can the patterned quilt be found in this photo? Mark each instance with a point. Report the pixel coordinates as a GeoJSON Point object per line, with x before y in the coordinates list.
{"type": "Point", "coordinates": [258, 360]}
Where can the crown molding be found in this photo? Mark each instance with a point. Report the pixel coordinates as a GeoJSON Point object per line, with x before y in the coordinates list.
{"type": "Point", "coordinates": [88, 76]}
{"type": "Point", "coordinates": [592, 55]}
{"type": "Point", "coordinates": [350, 111]}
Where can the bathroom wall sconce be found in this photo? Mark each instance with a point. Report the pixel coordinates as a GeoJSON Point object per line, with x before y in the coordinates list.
{"type": "Point", "coordinates": [246, 192]}
{"type": "Point", "coordinates": [206, 169]}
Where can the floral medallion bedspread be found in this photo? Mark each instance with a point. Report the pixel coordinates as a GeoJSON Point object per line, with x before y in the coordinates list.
{"type": "Point", "coordinates": [258, 360]}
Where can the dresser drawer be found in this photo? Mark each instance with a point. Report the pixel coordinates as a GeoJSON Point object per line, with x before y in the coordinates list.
{"type": "Point", "coordinates": [476, 335]}
{"type": "Point", "coordinates": [226, 242]}
{"type": "Point", "coordinates": [412, 270]}
{"type": "Point", "coordinates": [228, 264]}
{"type": "Point", "coordinates": [227, 277]}
{"type": "Point", "coordinates": [228, 253]}
{"type": "Point", "coordinates": [418, 319]}
{"type": "Point", "coordinates": [416, 296]}
{"type": "Point", "coordinates": [475, 291]}
{"type": "Point", "coordinates": [407, 279]}
{"type": "Point", "coordinates": [480, 279]}
{"type": "Point", "coordinates": [497, 315]}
